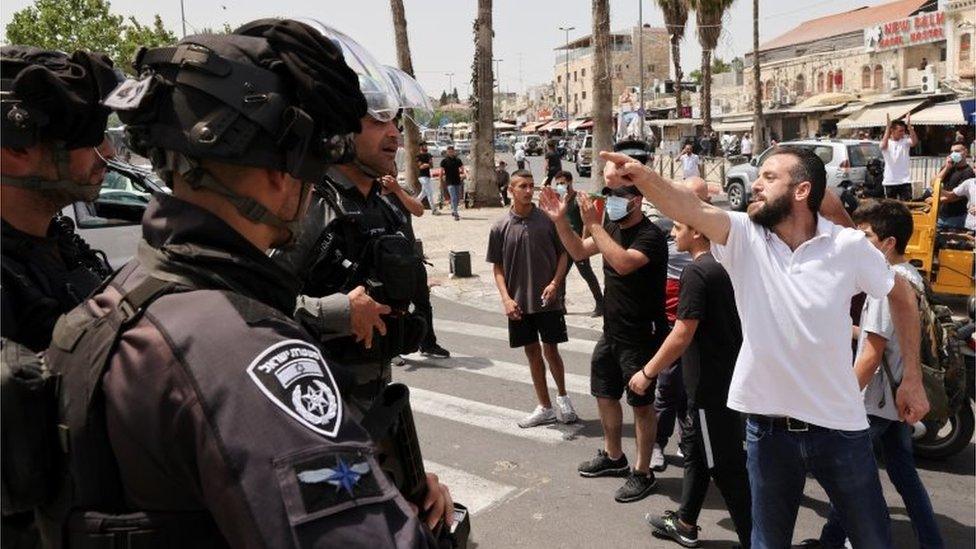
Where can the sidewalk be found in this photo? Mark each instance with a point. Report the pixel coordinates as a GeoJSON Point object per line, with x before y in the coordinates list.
{"type": "Point", "coordinates": [441, 235]}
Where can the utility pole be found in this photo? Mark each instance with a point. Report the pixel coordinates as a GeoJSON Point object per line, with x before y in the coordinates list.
{"type": "Point", "coordinates": [566, 102]}
{"type": "Point", "coordinates": [498, 85]}
{"type": "Point", "coordinates": [640, 63]}
{"type": "Point", "coordinates": [757, 123]}
{"type": "Point", "coordinates": [450, 82]}
{"type": "Point", "coordinates": [183, 17]}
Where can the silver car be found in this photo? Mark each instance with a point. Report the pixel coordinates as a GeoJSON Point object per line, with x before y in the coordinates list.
{"type": "Point", "coordinates": [844, 159]}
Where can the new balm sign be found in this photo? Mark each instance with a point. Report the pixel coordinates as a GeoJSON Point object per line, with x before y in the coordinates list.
{"type": "Point", "coordinates": [912, 31]}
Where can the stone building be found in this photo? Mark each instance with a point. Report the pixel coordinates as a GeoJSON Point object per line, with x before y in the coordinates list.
{"type": "Point", "coordinates": [574, 63]}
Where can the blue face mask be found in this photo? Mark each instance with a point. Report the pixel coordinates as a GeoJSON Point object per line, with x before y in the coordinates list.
{"type": "Point", "coordinates": [617, 207]}
{"type": "Point", "coordinates": [956, 157]}
{"type": "Point", "coordinates": [561, 190]}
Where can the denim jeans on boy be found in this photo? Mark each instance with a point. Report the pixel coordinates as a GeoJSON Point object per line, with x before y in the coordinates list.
{"type": "Point", "coordinates": [896, 445]}
{"type": "Point", "coordinates": [455, 192]}
{"type": "Point", "coordinates": [428, 189]}
{"type": "Point", "coordinates": [841, 461]}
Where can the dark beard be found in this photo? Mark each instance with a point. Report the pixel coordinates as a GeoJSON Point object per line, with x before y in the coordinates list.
{"type": "Point", "coordinates": [773, 212]}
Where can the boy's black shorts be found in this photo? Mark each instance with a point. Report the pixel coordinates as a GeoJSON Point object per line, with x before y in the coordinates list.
{"type": "Point", "coordinates": [549, 326]}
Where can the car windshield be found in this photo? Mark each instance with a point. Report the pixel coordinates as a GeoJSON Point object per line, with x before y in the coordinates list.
{"type": "Point", "coordinates": [861, 153]}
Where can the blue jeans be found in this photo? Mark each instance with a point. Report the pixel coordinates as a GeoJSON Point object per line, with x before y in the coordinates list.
{"type": "Point", "coordinates": [896, 444]}
{"type": "Point", "coordinates": [455, 192]}
{"type": "Point", "coordinates": [841, 461]}
{"type": "Point", "coordinates": [953, 222]}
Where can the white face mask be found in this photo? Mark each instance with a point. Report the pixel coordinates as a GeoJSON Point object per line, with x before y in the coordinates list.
{"type": "Point", "coordinates": [561, 190]}
{"type": "Point", "coordinates": [617, 207]}
{"type": "Point", "coordinates": [956, 157]}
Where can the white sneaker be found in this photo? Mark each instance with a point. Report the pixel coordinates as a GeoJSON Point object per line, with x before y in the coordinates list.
{"type": "Point", "coordinates": [566, 412]}
{"type": "Point", "coordinates": [539, 416]}
{"type": "Point", "coordinates": [658, 463]}
{"type": "Point", "coordinates": [679, 453]}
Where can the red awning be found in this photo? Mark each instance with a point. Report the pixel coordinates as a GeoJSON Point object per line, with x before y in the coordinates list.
{"type": "Point", "coordinates": [553, 125]}
{"type": "Point", "coordinates": [585, 125]}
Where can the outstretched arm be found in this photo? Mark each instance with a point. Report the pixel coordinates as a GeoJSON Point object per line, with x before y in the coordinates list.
{"type": "Point", "coordinates": [673, 200]}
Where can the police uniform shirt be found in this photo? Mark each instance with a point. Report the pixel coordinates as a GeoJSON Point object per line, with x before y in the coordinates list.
{"type": "Point", "coordinates": [216, 400]}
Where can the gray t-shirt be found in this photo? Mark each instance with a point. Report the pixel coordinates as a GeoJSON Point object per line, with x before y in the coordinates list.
{"type": "Point", "coordinates": [528, 249]}
{"type": "Point", "coordinates": [876, 319]}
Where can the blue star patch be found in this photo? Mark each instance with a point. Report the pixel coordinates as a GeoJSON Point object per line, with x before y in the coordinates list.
{"type": "Point", "coordinates": [331, 479]}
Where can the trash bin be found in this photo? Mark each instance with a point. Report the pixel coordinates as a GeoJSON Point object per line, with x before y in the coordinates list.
{"type": "Point", "coordinates": [460, 264]}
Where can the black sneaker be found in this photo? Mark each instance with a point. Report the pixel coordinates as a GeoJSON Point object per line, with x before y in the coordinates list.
{"type": "Point", "coordinates": [637, 487]}
{"type": "Point", "coordinates": [436, 351]}
{"type": "Point", "coordinates": [603, 466]}
{"type": "Point", "coordinates": [668, 527]}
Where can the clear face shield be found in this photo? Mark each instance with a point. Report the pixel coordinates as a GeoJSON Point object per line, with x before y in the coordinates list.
{"type": "Point", "coordinates": [382, 102]}
{"type": "Point", "coordinates": [413, 99]}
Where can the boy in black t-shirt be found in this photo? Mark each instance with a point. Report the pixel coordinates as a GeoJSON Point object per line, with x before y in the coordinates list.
{"type": "Point", "coordinates": [635, 258]}
{"type": "Point", "coordinates": [452, 174]}
{"type": "Point", "coordinates": [554, 162]}
{"type": "Point", "coordinates": [707, 336]}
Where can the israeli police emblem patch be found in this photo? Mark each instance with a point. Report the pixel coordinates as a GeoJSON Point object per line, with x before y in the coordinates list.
{"type": "Point", "coordinates": [296, 378]}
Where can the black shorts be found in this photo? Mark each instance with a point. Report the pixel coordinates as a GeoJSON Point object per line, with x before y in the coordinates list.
{"type": "Point", "coordinates": [615, 362]}
{"type": "Point", "coordinates": [549, 326]}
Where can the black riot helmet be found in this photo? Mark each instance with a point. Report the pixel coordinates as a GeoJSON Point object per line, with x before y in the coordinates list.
{"type": "Point", "coordinates": [634, 148]}
{"type": "Point", "coordinates": [273, 94]}
{"type": "Point", "coordinates": [55, 98]}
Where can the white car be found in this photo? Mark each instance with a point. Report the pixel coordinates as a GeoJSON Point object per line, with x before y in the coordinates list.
{"type": "Point", "coordinates": [844, 159]}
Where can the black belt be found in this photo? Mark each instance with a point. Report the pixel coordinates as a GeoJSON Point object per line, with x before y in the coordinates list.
{"type": "Point", "coordinates": [790, 424]}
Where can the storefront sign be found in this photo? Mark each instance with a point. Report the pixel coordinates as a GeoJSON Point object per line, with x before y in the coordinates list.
{"type": "Point", "coordinates": [921, 29]}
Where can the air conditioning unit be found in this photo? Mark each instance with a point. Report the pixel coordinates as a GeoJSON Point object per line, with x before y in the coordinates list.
{"type": "Point", "coordinates": [929, 82]}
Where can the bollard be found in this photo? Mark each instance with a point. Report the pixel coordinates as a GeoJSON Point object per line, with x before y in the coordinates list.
{"type": "Point", "coordinates": [460, 264]}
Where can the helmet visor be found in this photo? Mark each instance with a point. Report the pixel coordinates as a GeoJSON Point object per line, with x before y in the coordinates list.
{"type": "Point", "coordinates": [412, 97]}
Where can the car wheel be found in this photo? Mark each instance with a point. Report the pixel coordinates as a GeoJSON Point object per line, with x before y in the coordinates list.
{"type": "Point", "coordinates": [736, 192]}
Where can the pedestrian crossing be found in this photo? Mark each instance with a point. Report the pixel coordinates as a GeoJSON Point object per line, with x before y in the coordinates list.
{"type": "Point", "coordinates": [486, 419]}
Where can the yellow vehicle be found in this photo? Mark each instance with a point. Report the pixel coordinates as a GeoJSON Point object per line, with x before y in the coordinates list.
{"type": "Point", "coordinates": [943, 256]}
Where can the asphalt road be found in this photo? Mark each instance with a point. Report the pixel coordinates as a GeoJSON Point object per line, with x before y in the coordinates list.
{"type": "Point", "coordinates": [522, 485]}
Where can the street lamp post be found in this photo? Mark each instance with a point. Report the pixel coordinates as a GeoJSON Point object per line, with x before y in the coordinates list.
{"type": "Point", "coordinates": [640, 63]}
{"type": "Point", "coordinates": [498, 84]}
{"type": "Point", "coordinates": [566, 102]}
{"type": "Point", "coordinates": [450, 82]}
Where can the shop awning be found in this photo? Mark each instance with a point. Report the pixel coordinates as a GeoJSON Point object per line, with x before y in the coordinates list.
{"type": "Point", "coordinates": [499, 125]}
{"type": "Point", "coordinates": [676, 122]}
{"type": "Point", "coordinates": [575, 124]}
{"type": "Point", "coordinates": [741, 126]}
{"type": "Point", "coordinates": [553, 125]}
{"type": "Point", "coordinates": [940, 114]}
{"type": "Point", "coordinates": [533, 126]}
{"type": "Point", "coordinates": [587, 124]}
{"type": "Point", "coordinates": [875, 116]}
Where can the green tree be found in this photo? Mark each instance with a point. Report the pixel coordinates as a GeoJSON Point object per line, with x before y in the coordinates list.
{"type": "Point", "coordinates": [70, 25]}
{"type": "Point", "coordinates": [675, 18]}
{"type": "Point", "coordinates": [443, 100]}
{"type": "Point", "coordinates": [708, 16]}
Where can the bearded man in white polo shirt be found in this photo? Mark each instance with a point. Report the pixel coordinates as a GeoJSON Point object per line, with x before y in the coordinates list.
{"type": "Point", "coordinates": [794, 273]}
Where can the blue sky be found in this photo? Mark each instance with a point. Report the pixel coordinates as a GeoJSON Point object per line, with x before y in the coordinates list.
{"type": "Point", "coordinates": [526, 31]}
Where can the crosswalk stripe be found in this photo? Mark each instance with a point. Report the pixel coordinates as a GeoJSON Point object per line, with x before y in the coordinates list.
{"type": "Point", "coordinates": [498, 369]}
{"type": "Point", "coordinates": [474, 492]}
{"type": "Point", "coordinates": [486, 416]}
{"type": "Point", "coordinates": [501, 334]}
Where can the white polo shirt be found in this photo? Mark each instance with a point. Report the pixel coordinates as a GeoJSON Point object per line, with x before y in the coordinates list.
{"type": "Point", "coordinates": [794, 306]}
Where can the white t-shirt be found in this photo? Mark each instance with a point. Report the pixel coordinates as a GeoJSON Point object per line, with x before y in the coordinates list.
{"type": "Point", "coordinates": [796, 358]}
{"type": "Point", "coordinates": [689, 165]}
{"type": "Point", "coordinates": [519, 154]}
{"type": "Point", "coordinates": [968, 189]}
{"type": "Point", "coordinates": [746, 145]}
{"type": "Point", "coordinates": [896, 161]}
{"type": "Point", "coordinates": [876, 318]}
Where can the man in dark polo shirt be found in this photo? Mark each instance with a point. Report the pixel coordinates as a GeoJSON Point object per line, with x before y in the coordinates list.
{"type": "Point", "coordinates": [635, 261]}
{"type": "Point", "coordinates": [530, 267]}
{"type": "Point", "coordinates": [452, 169]}
{"type": "Point", "coordinates": [955, 171]}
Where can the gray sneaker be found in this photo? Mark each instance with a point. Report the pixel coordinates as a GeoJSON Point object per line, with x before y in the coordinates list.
{"type": "Point", "coordinates": [539, 416]}
{"type": "Point", "coordinates": [637, 487]}
{"type": "Point", "coordinates": [658, 463]}
{"type": "Point", "coordinates": [668, 527]}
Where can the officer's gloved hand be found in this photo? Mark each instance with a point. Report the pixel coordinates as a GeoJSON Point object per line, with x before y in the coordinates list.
{"type": "Point", "coordinates": [364, 316]}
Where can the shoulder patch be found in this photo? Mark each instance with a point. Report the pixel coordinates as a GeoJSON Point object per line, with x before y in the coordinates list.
{"type": "Point", "coordinates": [293, 374]}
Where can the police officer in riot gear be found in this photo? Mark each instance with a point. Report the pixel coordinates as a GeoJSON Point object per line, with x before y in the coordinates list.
{"type": "Point", "coordinates": [213, 419]}
{"type": "Point", "coordinates": [355, 237]}
{"type": "Point", "coordinates": [53, 154]}
{"type": "Point", "coordinates": [52, 124]}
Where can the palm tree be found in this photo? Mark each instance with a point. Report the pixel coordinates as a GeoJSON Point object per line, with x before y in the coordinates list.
{"type": "Point", "coordinates": [411, 137]}
{"type": "Point", "coordinates": [602, 92]}
{"type": "Point", "coordinates": [482, 81]}
{"type": "Point", "coordinates": [675, 18]}
{"type": "Point", "coordinates": [708, 17]}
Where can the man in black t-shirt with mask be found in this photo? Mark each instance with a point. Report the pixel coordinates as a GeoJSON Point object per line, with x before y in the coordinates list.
{"type": "Point", "coordinates": [706, 336]}
{"type": "Point", "coordinates": [452, 174]}
{"type": "Point", "coordinates": [635, 259]}
{"type": "Point", "coordinates": [955, 171]}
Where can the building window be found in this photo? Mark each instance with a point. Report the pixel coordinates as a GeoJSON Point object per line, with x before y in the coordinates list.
{"type": "Point", "coordinates": [820, 82]}
{"type": "Point", "coordinates": [574, 76]}
{"type": "Point", "coordinates": [965, 46]}
{"type": "Point", "coordinates": [583, 73]}
{"type": "Point", "coordinates": [866, 78]}
{"type": "Point", "coordinates": [830, 81]}
{"type": "Point", "coordinates": [559, 78]}
{"type": "Point", "coordinates": [800, 85]}
{"type": "Point", "coordinates": [839, 80]}
{"type": "Point", "coordinates": [651, 68]}
{"type": "Point", "coordinates": [575, 98]}
{"type": "Point", "coordinates": [584, 95]}
{"type": "Point", "coordinates": [768, 90]}
{"type": "Point", "coordinates": [878, 77]}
